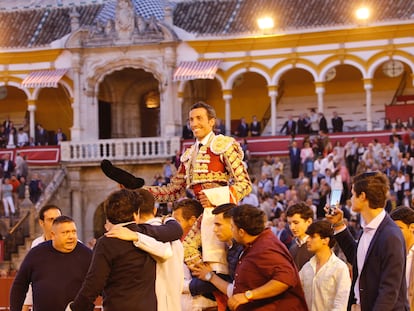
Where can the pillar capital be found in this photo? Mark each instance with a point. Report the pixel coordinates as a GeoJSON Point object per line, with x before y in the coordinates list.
{"type": "Point", "coordinates": [272, 88]}
{"type": "Point", "coordinates": [31, 105]}
{"type": "Point", "coordinates": [368, 84]}
{"type": "Point", "coordinates": [227, 94]}
{"type": "Point", "coordinates": [368, 87]}
{"type": "Point", "coordinates": [319, 85]}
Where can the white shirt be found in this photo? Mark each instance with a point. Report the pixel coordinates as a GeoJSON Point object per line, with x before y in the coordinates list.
{"type": "Point", "coordinates": [409, 262]}
{"type": "Point", "coordinates": [22, 138]}
{"type": "Point", "coordinates": [170, 271]}
{"type": "Point", "coordinates": [205, 140]}
{"type": "Point", "coordinates": [327, 289]}
{"type": "Point", "coordinates": [398, 183]}
{"type": "Point", "coordinates": [317, 166]}
{"type": "Point", "coordinates": [363, 246]}
{"type": "Point", "coordinates": [251, 199]}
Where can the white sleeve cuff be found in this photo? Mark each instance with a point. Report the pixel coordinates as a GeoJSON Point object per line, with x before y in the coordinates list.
{"type": "Point", "coordinates": [230, 290]}
{"type": "Point", "coordinates": [68, 307]}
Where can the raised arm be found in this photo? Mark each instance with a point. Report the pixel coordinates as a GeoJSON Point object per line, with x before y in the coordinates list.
{"type": "Point", "coordinates": [173, 190]}
{"type": "Point", "coordinates": [169, 231]}
{"type": "Point", "coordinates": [233, 159]}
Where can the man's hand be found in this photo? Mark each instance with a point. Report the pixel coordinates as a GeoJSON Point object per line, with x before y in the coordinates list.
{"type": "Point", "coordinates": [336, 217]}
{"type": "Point", "coordinates": [200, 270]}
{"type": "Point", "coordinates": [236, 300]}
{"type": "Point", "coordinates": [204, 200]}
{"type": "Point", "coordinates": [122, 233]}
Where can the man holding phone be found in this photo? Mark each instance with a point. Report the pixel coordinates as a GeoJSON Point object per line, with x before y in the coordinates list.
{"type": "Point", "coordinates": [378, 258]}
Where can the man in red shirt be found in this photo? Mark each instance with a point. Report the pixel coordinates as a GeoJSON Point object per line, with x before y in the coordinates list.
{"type": "Point", "coordinates": [266, 277]}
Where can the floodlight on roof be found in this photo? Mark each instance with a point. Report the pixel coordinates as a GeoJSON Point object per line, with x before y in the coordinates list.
{"type": "Point", "coordinates": [363, 13]}
{"type": "Point", "coordinates": [265, 23]}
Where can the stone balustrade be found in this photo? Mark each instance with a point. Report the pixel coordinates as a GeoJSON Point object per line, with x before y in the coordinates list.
{"type": "Point", "coordinates": [144, 148]}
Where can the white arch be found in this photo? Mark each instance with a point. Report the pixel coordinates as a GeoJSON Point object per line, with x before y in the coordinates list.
{"type": "Point", "coordinates": [182, 84]}
{"type": "Point", "coordinates": [64, 85]}
{"type": "Point", "coordinates": [358, 66]}
{"type": "Point", "coordinates": [109, 68]}
{"type": "Point", "coordinates": [19, 86]}
{"type": "Point", "coordinates": [234, 75]}
{"type": "Point", "coordinates": [276, 78]}
{"type": "Point", "coordinates": [378, 62]}
{"type": "Point", "coordinates": [325, 69]}
{"type": "Point", "coordinates": [67, 87]}
{"type": "Point", "coordinates": [104, 69]}
{"type": "Point", "coordinates": [221, 81]}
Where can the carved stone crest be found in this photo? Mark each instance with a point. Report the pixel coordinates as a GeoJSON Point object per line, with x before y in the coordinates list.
{"type": "Point", "coordinates": [124, 20]}
{"type": "Point", "coordinates": [121, 26]}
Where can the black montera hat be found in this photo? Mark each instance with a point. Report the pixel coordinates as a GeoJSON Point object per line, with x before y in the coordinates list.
{"type": "Point", "coordinates": [122, 177]}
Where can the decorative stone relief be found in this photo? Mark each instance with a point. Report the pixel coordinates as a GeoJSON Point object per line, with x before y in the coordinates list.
{"type": "Point", "coordinates": [124, 21]}
{"type": "Point", "coordinates": [126, 28]}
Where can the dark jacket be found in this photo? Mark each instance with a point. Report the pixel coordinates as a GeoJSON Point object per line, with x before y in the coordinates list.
{"type": "Point", "coordinates": [243, 130]}
{"type": "Point", "coordinates": [289, 130]}
{"type": "Point", "coordinates": [323, 125]}
{"type": "Point", "coordinates": [125, 273]}
{"type": "Point", "coordinates": [382, 281]}
{"type": "Point", "coordinates": [255, 129]}
{"type": "Point", "coordinates": [10, 168]}
{"type": "Point", "coordinates": [337, 124]}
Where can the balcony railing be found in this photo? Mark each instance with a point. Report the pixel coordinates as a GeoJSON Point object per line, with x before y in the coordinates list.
{"type": "Point", "coordinates": [146, 148]}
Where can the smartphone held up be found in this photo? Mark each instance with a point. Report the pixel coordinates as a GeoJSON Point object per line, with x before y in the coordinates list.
{"type": "Point", "coordinates": [334, 200]}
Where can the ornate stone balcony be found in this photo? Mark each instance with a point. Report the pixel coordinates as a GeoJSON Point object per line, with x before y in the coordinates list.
{"type": "Point", "coordinates": [146, 148]}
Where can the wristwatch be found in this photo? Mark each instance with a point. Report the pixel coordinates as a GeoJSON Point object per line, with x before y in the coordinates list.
{"type": "Point", "coordinates": [209, 275]}
{"type": "Point", "coordinates": [249, 295]}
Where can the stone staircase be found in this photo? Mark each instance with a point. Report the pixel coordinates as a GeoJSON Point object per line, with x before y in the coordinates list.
{"type": "Point", "coordinates": [29, 228]}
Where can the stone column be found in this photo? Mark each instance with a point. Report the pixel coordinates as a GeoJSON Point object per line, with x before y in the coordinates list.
{"type": "Point", "coordinates": [272, 91]}
{"type": "Point", "coordinates": [31, 107]}
{"type": "Point", "coordinates": [368, 102]}
{"type": "Point", "coordinates": [227, 96]}
{"type": "Point", "coordinates": [320, 90]}
{"type": "Point", "coordinates": [77, 91]}
{"type": "Point", "coordinates": [170, 114]}
{"type": "Point", "coordinates": [77, 209]}
{"type": "Point", "coordinates": [182, 118]}
{"type": "Point", "coordinates": [77, 212]}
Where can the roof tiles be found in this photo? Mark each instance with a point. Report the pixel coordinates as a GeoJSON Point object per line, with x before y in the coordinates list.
{"type": "Point", "coordinates": [200, 17]}
{"type": "Point", "coordinates": [40, 27]}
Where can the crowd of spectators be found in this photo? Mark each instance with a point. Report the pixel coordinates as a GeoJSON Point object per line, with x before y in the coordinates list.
{"type": "Point", "coordinates": [399, 124]}
{"type": "Point", "coordinates": [312, 123]}
{"type": "Point", "coordinates": [317, 167]}
{"type": "Point", "coordinates": [12, 137]}
{"type": "Point", "coordinates": [14, 177]}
